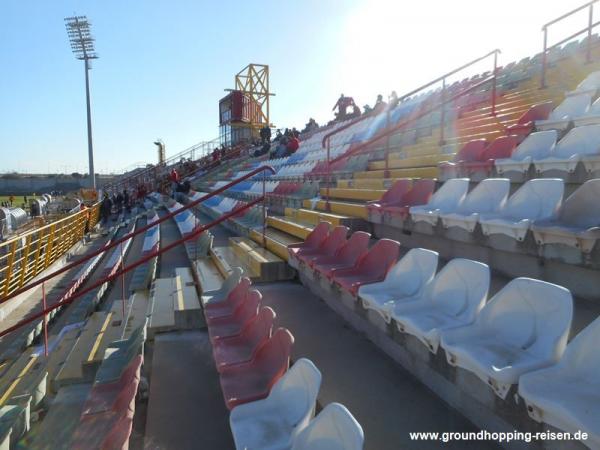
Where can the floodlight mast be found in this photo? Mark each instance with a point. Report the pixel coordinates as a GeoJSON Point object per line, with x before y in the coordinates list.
{"type": "Point", "coordinates": [82, 45]}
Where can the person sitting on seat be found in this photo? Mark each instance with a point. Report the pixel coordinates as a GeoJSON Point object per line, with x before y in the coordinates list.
{"type": "Point", "coordinates": [367, 109]}
{"type": "Point", "coordinates": [281, 149]}
{"type": "Point", "coordinates": [292, 145]}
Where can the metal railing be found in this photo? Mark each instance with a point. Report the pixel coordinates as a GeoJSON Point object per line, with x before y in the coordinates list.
{"type": "Point", "coordinates": [194, 152]}
{"type": "Point", "coordinates": [587, 29]}
{"type": "Point", "coordinates": [23, 257]}
{"type": "Point", "coordinates": [118, 242]}
{"type": "Point", "coordinates": [403, 124]}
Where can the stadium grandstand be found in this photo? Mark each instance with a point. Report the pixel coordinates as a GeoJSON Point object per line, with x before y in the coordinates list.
{"type": "Point", "coordinates": [423, 274]}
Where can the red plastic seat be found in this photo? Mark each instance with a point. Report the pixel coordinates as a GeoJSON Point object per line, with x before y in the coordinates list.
{"type": "Point", "coordinates": [253, 380]}
{"type": "Point", "coordinates": [328, 247]}
{"type": "Point", "coordinates": [114, 396]}
{"type": "Point", "coordinates": [502, 147]}
{"type": "Point", "coordinates": [419, 194]}
{"type": "Point", "coordinates": [107, 430]}
{"type": "Point", "coordinates": [346, 256]}
{"type": "Point", "coordinates": [391, 197]}
{"type": "Point", "coordinates": [233, 325]}
{"type": "Point", "coordinates": [371, 268]}
{"type": "Point", "coordinates": [226, 308]}
{"type": "Point", "coordinates": [312, 242]}
{"type": "Point", "coordinates": [526, 122]}
{"type": "Point", "coordinates": [242, 348]}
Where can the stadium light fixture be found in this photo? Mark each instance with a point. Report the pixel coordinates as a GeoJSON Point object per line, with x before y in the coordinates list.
{"type": "Point", "coordinates": [82, 45]}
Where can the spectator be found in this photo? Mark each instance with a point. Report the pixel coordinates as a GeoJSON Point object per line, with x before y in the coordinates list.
{"type": "Point", "coordinates": [265, 134]}
{"type": "Point", "coordinates": [380, 105]}
{"type": "Point", "coordinates": [263, 150]}
{"type": "Point", "coordinates": [310, 126]}
{"type": "Point", "coordinates": [281, 149]}
{"type": "Point", "coordinates": [11, 199]}
{"type": "Point", "coordinates": [367, 109]}
{"type": "Point", "coordinates": [342, 105]}
{"type": "Point", "coordinates": [295, 133]}
{"type": "Point", "coordinates": [278, 136]}
{"type": "Point", "coordinates": [126, 200]}
{"type": "Point", "coordinates": [355, 112]}
{"type": "Point", "coordinates": [174, 178]}
{"type": "Point", "coordinates": [394, 100]}
{"type": "Point", "coordinates": [292, 145]}
{"type": "Point", "coordinates": [105, 208]}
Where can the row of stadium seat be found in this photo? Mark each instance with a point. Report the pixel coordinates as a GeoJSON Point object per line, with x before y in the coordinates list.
{"type": "Point", "coordinates": [518, 337]}
{"type": "Point", "coordinates": [540, 149]}
{"type": "Point", "coordinates": [271, 406]}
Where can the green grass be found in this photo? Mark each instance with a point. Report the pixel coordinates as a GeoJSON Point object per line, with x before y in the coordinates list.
{"type": "Point", "coordinates": [18, 201]}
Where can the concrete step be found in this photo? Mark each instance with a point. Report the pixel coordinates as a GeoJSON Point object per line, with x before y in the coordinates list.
{"type": "Point", "coordinates": [290, 226]}
{"type": "Point", "coordinates": [349, 209]}
{"type": "Point", "coordinates": [269, 266]}
{"type": "Point", "coordinates": [276, 241]}
{"type": "Point", "coordinates": [353, 194]}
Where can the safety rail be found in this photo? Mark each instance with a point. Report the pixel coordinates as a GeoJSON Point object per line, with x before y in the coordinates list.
{"type": "Point", "coordinates": [124, 269]}
{"type": "Point", "coordinates": [115, 273]}
{"type": "Point", "coordinates": [588, 29]}
{"type": "Point", "coordinates": [200, 150]}
{"type": "Point", "coordinates": [135, 233]}
{"type": "Point", "coordinates": [23, 257]}
{"type": "Point", "coordinates": [442, 78]}
{"type": "Point", "coordinates": [388, 131]}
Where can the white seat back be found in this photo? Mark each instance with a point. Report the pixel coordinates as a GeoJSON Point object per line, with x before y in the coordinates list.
{"type": "Point", "coordinates": [333, 429]}
{"type": "Point", "coordinates": [461, 288]}
{"type": "Point", "coordinates": [295, 394]}
{"type": "Point", "coordinates": [536, 146]}
{"type": "Point", "coordinates": [572, 106]}
{"type": "Point", "coordinates": [584, 140]}
{"type": "Point", "coordinates": [582, 356]}
{"type": "Point", "coordinates": [580, 209]}
{"type": "Point", "coordinates": [537, 199]}
{"type": "Point", "coordinates": [488, 196]}
{"type": "Point", "coordinates": [591, 82]}
{"type": "Point", "coordinates": [450, 195]}
{"type": "Point", "coordinates": [412, 274]}
{"type": "Point", "coordinates": [531, 315]}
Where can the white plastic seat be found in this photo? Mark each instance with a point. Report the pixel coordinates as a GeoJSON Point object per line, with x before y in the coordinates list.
{"type": "Point", "coordinates": [537, 145]}
{"type": "Point", "coordinates": [567, 395]}
{"type": "Point", "coordinates": [452, 300]}
{"type": "Point", "coordinates": [488, 196]}
{"type": "Point", "coordinates": [577, 222]}
{"type": "Point", "coordinates": [524, 327]}
{"type": "Point", "coordinates": [333, 429]}
{"type": "Point", "coordinates": [407, 279]}
{"type": "Point", "coordinates": [580, 144]}
{"type": "Point", "coordinates": [537, 199]}
{"type": "Point", "coordinates": [590, 84]}
{"type": "Point", "coordinates": [273, 422]}
{"type": "Point", "coordinates": [445, 200]}
{"type": "Point", "coordinates": [591, 116]}
{"type": "Point", "coordinates": [571, 107]}
{"type": "Point", "coordinates": [229, 283]}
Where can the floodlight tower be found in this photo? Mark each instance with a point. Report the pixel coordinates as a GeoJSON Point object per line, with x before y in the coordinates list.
{"type": "Point", "coordinates": [82, 45]}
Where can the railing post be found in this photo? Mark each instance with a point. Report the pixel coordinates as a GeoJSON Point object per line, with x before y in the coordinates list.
{"type": "Point", "coordinates": [44, 306]}
{"type": "Point", "coordinates": [544, 60]}
{"type": "Point", "coordinates": [387, 145]}
{"type": "Point", "coordinates": [494, 84]}
{"type": "Point", "coordinates": [588, 53]}
{"type": "Point", "coordinates": [443, 112]}
{"type": "Point", "coordinates": [327, 206]}
{"type": "Point", "coordinates": [122, 284]}
{"type": "Point", "coordinates": [264, 210]}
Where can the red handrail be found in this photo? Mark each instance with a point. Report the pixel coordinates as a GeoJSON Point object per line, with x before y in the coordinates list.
{"type": "Point", "coordinates": [135, 233]}
{"type": "Point", "coordinates": [389, 131]}
{"type": "Point", "coordinates": [132, 266]}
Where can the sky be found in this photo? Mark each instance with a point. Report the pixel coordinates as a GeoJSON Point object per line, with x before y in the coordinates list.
{"type": "Point", "coordinates": [164, 65]}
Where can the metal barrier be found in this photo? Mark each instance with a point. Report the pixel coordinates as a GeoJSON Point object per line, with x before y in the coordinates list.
{"type": "Point", "coordinates": [443, 101]}
{"type": "Point", "coordinates": [588, 30]}
{"type": "Point", "coordinates": [24, 257]}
